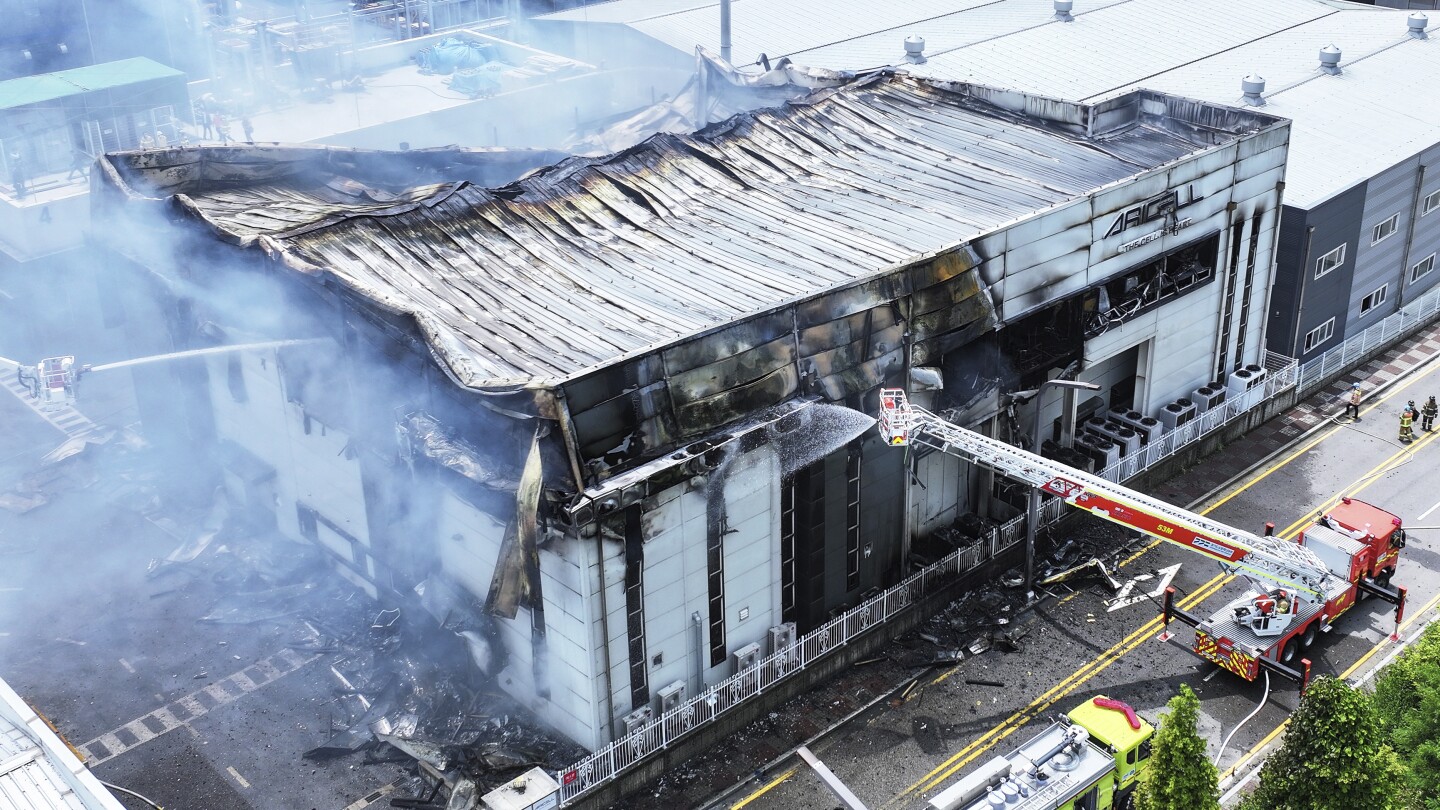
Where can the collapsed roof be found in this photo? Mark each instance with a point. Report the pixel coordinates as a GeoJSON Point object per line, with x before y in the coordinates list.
{"type": "Point", "coordinates": [591, 261]}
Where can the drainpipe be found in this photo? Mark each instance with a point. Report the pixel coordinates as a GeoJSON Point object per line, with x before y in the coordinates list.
{"type": "Point", "coordinates": [1274, 253]}
{"type": "Point", "coordinates": [605, 631]}
{"type": "Point", "coordinates": [725, 30]}
{"type": "Point", "coordinates": [1304, 284]}
{"type": "Point", "coordinates": [698, 625]}
{"type": "Point", "coordinates": [1410, 240]}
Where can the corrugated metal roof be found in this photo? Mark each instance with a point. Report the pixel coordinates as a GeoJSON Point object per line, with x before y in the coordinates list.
{"type": "Point", "coordinates": [1198, 49]}
{"type": "Point", "coordinates": [32, 775]}
{"type": "Point", "coordinates": [593, 259]}
{"type": "Point", "coordinates": [1381, 100]}
{"type": "Point", "coordinates": [1118, 45]}
{"type": "Point", "coordinates": [946, 33]}
{"type": "Point", "coordinates": [51, 86]}
{"type": "Point", "coordinates": [776, 29]}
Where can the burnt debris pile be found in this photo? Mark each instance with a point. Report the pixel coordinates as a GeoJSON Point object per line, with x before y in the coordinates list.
{"type": "Point", "coordinates": [412, 681]}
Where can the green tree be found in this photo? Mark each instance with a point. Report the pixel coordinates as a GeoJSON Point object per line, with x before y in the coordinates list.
{"type": "Point", "coordinates": [1180, 776]}
{"type": "Point", "coordinates": [1334, 757]}
{"type": "Point", "coordinates": [1407, 705]}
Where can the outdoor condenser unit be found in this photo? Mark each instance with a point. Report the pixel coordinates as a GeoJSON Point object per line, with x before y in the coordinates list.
{"type": "Point", "coordinates": [636, 720]}
{"type": "Point", "coordinates": [670, 697]}
{"type": "Point", "coordinates": [781, 636]}
{"type": "Point", "coordinates": [1177, 414]}
{"type": "Point", "coordinates": [1247, 385]}
{"type": "Point", "coordinates": [1100, 449]}
{"type": "Point", "coordinates": [1208, 397]}
{"type": "Point", "coordinates": [745, 657]}
{"type": "Point", "coordinates": [1148, 427]}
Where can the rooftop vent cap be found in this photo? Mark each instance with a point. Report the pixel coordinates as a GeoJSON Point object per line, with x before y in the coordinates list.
{"type": "Point", "coordinates": [1254, 88]}
{"type": "Point", "coordinates": [1417, 23]}
{"type": "Point", "coordinates": [1062, 10]}
{"type": "Point", "coordinates": [915, 50]}
{"type": "Point", "coordinates": [1330, 60]}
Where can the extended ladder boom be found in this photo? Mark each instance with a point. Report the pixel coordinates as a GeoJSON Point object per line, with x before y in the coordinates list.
{"type": "Point", "coordinates": [1265, 559]}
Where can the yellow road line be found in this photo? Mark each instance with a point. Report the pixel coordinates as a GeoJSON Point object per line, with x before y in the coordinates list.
{"type": "Point", "coordinates": [948, 768]}
{"type": "Point", "coordinates": [762, 791]}
{"type": "Point", "coordinates": [1259, 746]}
{"type": "Point", "coordinates": [1104, 659]}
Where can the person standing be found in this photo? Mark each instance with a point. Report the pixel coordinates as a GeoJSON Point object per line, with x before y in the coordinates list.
{"type": "Point", "coordinates": [17, 173]}
{"type": "Point", "coordinates": [1427, 414]}
{"type": "Point", "coordinates": [1352, 401]}
{"type": "Point", "coordinates": [1407, 418]}
{"type": "Point", "coordinates": [222, 129]}
{"type": "Point", "coordinates": [248, 128]}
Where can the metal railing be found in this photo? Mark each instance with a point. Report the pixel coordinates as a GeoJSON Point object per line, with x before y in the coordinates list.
{"type": "Point", "coordinates": [659, 733]}
{"type": "Point", "coordinates": [1412, 316]}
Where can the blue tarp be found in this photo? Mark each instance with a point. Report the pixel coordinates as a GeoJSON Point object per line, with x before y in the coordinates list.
{"type": "Point", "coordinates": [452, 54]}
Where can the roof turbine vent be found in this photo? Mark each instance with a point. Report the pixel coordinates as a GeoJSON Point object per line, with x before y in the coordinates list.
{"type": "Point", "coordinates": [1417, 23]}
{"type": "Point", "coordinates": [1330, 60]}
{"type": "Point", "coordinates": [1254, 89]}
{"type": "Point", "coordinates": [1062, 10]}
{"type": "Point", "coordinates": [915, 50]}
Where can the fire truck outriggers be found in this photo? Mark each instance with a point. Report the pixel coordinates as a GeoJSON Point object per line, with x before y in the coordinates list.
{"type": "Point", "coordinates": [1298, 589]}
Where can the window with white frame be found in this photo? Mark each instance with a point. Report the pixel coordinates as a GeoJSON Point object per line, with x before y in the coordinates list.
{"type": "Point", "coordinates": [1432, 201]}
{"type": "Point", "coordinates": [1329, 261]}
{"type": "Point", "coordinates": [1319, 334]}
{"type": "Point", "coordinates": [1422, 268]}
{"type": "Point", "coordinates": [1374, 299]}
{"type": "Point", "coordinates": [1384, 230]}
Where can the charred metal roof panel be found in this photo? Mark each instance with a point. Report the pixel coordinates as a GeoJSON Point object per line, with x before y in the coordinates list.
{"type": "Point", "coordinates": [591, 260]}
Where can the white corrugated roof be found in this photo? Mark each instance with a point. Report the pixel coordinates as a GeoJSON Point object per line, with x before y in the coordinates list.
{"type": "Point", "coordinates": [1119, 45]}
{"type": "Point", "coordinates": [772, 28]}
{"type": "Point", "coordinates": [1197, 48]}
{"type": "Point", "coordinates": [37, 771]}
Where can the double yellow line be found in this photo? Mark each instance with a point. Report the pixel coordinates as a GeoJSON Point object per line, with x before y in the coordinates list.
{"type": "Point", "coordinates": [966, 755]}
{"type": "Point", "coordinates": [1015, 721]}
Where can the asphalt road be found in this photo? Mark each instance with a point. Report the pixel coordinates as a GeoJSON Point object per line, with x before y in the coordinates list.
{"type": "Point", "coordinates": [101, 650]}
{"type": "Point", "coordinates": [895, 757]}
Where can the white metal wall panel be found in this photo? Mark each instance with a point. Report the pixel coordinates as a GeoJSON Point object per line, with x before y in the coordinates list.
{"type": "Point", "coordinates": [1390, 193]}
{"type": "Point", "coordinates": [935, 504]}
{"type": "Point", "coordinates": [1425, 240]}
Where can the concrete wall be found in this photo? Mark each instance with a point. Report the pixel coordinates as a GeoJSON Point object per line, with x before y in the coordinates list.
{"type": "Point", "coordinates": [33, 229]}
{"type": "Point", "coordinates": [311, 466]}
{"type": "Point", "coordinates": [676, 583]}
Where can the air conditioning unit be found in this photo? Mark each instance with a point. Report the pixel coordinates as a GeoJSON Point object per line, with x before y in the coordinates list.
{"type": "Point", "coordinates": [670, 697]}
{"type": "Point", "coordinates": [1247, 385]}
{"type": "Point", "coordinates": [781, 637]}
{"type": "Point", "coordinates": [1177, 414]}
{"type": "Point", "coordinates": [1117, 413]}
{"type": "Point", "coordinates": [1126, 439]}
{"type": "Point", "coordinates": [1100, 449]}
{"type": "Point", "coordinates": [1148, 427]}
{"type": "Point", "coordinates": [637, 720]}
{"type": "Point", "coordinates": [1208, 397]}
{"type": "Point", "coordinates": [746, 657]}
{"type": "Point", "coordinates": [1093, 425]}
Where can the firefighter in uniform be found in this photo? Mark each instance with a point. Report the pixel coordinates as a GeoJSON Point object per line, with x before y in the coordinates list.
{"type": "Point", "coordinates": [1407, 418]}
{"type": "Point", "coordinates": [1427, 414]}
{"type": "Point", "coordinates": [1352, 401]}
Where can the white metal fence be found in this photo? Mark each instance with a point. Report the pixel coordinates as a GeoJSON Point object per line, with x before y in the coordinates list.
{"type": "Point", "coordinates": [615, 758]}
{"type": "Point", "coordinates": [1396, 325]}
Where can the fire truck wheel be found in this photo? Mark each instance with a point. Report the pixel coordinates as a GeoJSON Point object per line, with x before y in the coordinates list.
{"type": "Point", "coordinates": [1308, 637]}
{"type": "Point", "coordinates": [1287, 653]}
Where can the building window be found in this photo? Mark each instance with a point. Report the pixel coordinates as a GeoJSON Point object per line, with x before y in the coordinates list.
{"type": "Point", "coordinates": [1422, 268]}
{"type": "Point", "coordinates": [1383, 231]}
{"type": "Point", "coordinates": [1319, 334]}
{"type": "Point", "coordinates": [1329, 261]}
{"type": "Point", "coordinates": [1432, 201]}
{"type": "Point", "coordinates": [1374, 299]}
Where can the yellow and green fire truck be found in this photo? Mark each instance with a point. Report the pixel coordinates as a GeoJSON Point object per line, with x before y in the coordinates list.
{"type": "Point", "coordinates": [1091, 759]}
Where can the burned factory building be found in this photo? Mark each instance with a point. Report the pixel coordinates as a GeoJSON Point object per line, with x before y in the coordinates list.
{"type": "Point", "coordinates": [623, 403]}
